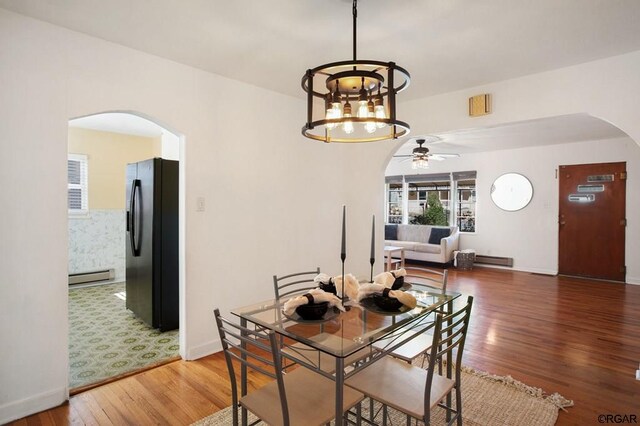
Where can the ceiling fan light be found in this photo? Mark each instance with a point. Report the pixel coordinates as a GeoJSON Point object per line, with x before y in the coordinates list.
{"type": "Point", "coordinates": [419, 163]}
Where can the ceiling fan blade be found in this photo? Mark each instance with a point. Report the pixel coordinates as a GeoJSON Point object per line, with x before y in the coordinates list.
{"type": "Point", "coordinates": [436, 157]}
{"type": "Point", "coordinates": [443, 156]}
{"type": "Point", "coordinates": [403, 156]}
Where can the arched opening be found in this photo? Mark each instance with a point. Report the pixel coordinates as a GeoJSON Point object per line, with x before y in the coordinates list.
{"type": "Point", "coordinates": [535, 149]}
{"type": "Point", "coordinates": [126, 249]}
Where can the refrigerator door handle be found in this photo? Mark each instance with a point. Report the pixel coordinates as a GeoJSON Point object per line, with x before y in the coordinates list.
{"type": "Point", "coordinates": [134, 236]}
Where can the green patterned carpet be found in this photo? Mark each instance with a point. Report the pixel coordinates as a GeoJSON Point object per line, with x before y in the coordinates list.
{"type": "Point", "coordinates": [105, 339]}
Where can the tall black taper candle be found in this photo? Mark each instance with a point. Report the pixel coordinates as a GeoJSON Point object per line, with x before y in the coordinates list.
{"type": "Point", "coordinates": [372, 258]}
{"type": "Point", "coordinates": [343, 249]}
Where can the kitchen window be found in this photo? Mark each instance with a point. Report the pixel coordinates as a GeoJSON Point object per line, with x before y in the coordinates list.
{"type": "Point", "coordinates": [77, 184]}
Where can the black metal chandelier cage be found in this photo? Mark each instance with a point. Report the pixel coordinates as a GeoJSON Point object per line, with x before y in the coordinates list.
{"type": "Point", "coordinates": [355, 99]}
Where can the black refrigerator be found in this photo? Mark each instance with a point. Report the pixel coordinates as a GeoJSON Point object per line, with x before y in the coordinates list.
{"type": "Point", "coordinates": [152, 242]}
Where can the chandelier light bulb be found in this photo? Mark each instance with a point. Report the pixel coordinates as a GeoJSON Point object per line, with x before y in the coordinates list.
{"type": "Point", "coordinates": [347, 126]}
{"type": "Point", "coordinates": [363, 110]}
{"type": "Point", "coordinates": [370, 126]}
{"type": "Point", "coordinates": [379, 112]}
{"type": "Point", "coordinates": [379, 108]}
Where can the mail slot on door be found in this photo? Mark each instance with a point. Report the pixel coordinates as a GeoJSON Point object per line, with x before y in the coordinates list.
{"type": "Point", "coordinates": [582, 198]}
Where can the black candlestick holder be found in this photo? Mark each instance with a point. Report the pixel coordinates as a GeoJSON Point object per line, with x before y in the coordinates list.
{"type": "Point", "coordinates": [372, 261]}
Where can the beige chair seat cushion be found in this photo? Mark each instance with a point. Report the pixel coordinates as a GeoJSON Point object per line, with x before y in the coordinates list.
{"type": "Point", "coordinates": [409, 350]}
{"type": "Point", "coordinates": [310, 397]}
{"type": "Point", "coordinates": [399, 385]}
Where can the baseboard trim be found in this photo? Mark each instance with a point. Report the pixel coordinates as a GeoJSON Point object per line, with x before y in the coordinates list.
{"type": "Point", "coordinates": [633, 280]}
{"type": "Point", "coordinates": [43, 401]}
{"type": "Point", "coordinates": [551, 272]}
{"type": "Point", "coordinates": [200, 351]}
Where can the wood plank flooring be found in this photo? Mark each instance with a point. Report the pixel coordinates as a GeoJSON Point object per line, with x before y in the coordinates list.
{"type": "Point", "coordinates": [578, 337]}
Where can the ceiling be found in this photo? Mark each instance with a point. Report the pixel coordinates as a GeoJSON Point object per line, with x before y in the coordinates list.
{"type": "Point", "coordinates": [117, 122]}
{"type": "Point", "coordinates": [545, 131]}
{"type": "Point", "coordinates": [446, 45]}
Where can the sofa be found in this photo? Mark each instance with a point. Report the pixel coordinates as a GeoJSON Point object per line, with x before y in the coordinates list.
{"type": "Point", "coordinates": [424, 242]}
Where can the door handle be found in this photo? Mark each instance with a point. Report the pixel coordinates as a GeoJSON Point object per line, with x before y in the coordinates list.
{"type": "Point", "coordinates": [133, 233]}
{"type": "Point", "coordinates": [562, 222]}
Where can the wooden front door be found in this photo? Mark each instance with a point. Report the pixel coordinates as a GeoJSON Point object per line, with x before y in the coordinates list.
{"type": "Point", "coordinates": [592, 220]}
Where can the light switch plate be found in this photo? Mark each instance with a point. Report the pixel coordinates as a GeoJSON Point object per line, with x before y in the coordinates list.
{"type": "Point", "coordinates": [200, 204]}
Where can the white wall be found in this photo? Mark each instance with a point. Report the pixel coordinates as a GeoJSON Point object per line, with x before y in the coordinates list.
{"type": "Point", "coordinates": [530, 235]}
{"type": "Point", "coordinates": [170, 146]}
{"type": "Point", "coordinates": [272, 199]}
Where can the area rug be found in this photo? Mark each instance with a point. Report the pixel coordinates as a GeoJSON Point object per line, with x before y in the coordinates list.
{"type": "Point", "coordinates": [488, 400]}
{"type": "Point", "coordinates": [107, 340]}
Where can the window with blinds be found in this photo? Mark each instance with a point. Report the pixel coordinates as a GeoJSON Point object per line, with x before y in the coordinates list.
{"type": "Point", "coordinates": [77, 178]}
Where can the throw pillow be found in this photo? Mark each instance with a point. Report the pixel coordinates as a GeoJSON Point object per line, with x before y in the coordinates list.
{"type": "Point", "coordinates": [437, 234]}
{"type": "Point", "coordinates": [391, 232]}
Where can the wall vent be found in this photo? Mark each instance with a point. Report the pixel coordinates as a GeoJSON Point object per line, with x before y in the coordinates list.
{"type": "Point", "coordinates": [494, 260]}
{"type": "Point", "coordinates": [90, 277]}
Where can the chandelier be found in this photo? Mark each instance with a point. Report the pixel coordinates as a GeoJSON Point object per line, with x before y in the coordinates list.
{"type": "Point", "coordinates": [354, 101]}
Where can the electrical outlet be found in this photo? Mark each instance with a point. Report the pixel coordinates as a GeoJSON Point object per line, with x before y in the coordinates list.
{"type": "Point", "coordinates": [200, 204]}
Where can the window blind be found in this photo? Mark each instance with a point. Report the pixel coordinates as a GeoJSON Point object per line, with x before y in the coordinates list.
{"type": "Point", "coordinates": [433, 177]}
{"type": "Point", "coordinates": [464, 175]}
{"type": "Point", "coordinates": [77, 177]}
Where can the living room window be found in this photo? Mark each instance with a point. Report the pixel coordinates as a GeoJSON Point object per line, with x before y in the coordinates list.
{"type": "Point", "coordinates": [77, 184]}
{"type": "Point", "coordinates": [465, 211]}
{"type": "Point", "coordinates": [433, 199]}
{"type": "Point", "coordinates": [394, 194]}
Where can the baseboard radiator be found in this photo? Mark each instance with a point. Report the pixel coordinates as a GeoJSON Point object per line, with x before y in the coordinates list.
{"type": "Point", "coordinates": [494, 260]}
{"type": "Point", "coordinates": [90, 277]}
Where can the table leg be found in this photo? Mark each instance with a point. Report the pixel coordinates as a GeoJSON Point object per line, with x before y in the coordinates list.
{"type": "Point", "coordinates": [388, 259]}
{"type": "Point", "coordinates": [243, 371]}
{"type": "Point", "coordinates": [402, 258]}
{"type": "Point", "coordinates": [339, 387]}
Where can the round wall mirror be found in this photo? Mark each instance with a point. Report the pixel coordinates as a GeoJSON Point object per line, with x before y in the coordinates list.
{"type": "Point", "coordinates": [511, 192]}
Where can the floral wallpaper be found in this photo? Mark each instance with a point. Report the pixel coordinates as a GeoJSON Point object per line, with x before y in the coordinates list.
{"type": "Point", "coordinates": [97, 242]}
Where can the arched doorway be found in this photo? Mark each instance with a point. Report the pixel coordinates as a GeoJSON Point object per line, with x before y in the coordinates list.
{"type": "Point", "coordinates": [110, 333]}
{"type": "Point", "coordinates": [535, 149]}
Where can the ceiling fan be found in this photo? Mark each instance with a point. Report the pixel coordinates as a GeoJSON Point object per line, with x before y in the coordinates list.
{"type": "Point", "coordinates": [420, 156]}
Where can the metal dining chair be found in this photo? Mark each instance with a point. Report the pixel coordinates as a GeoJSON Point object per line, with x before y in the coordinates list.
{"type": "Point", "coordinates": [421, 344]}
{"type": "Point", "coordinates": [414, 390]}
{"type": "Point", "coordinates": [296, 284]}
{"type": "Point", "coordinates": [301, 397]}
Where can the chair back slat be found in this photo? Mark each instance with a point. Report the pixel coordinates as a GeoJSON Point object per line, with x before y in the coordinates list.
{"type": "Point", "coordinates": [437, 279]}
{"type": "Point", "coordinates": [247, 347]}
{"type": "Point", "coordinates": [445, 340]}
{"type": "Point", "coordinates": [302, 283]}
{"type": "Point", "coordinates": [252, 365]}
{"type": "Point", "coordinates": [253, 341]}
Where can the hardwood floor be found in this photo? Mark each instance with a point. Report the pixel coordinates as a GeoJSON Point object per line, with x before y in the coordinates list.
{"type": "Point", "coordinates": [577, 337]}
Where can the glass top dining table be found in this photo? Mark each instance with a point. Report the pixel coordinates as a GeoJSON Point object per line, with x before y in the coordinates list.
{"type": "Point", "coordinates": [364, 331]}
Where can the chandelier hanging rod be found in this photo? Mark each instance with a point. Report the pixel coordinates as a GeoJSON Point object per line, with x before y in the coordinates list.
{"type": "Point", "coordinates": [355, 23]}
